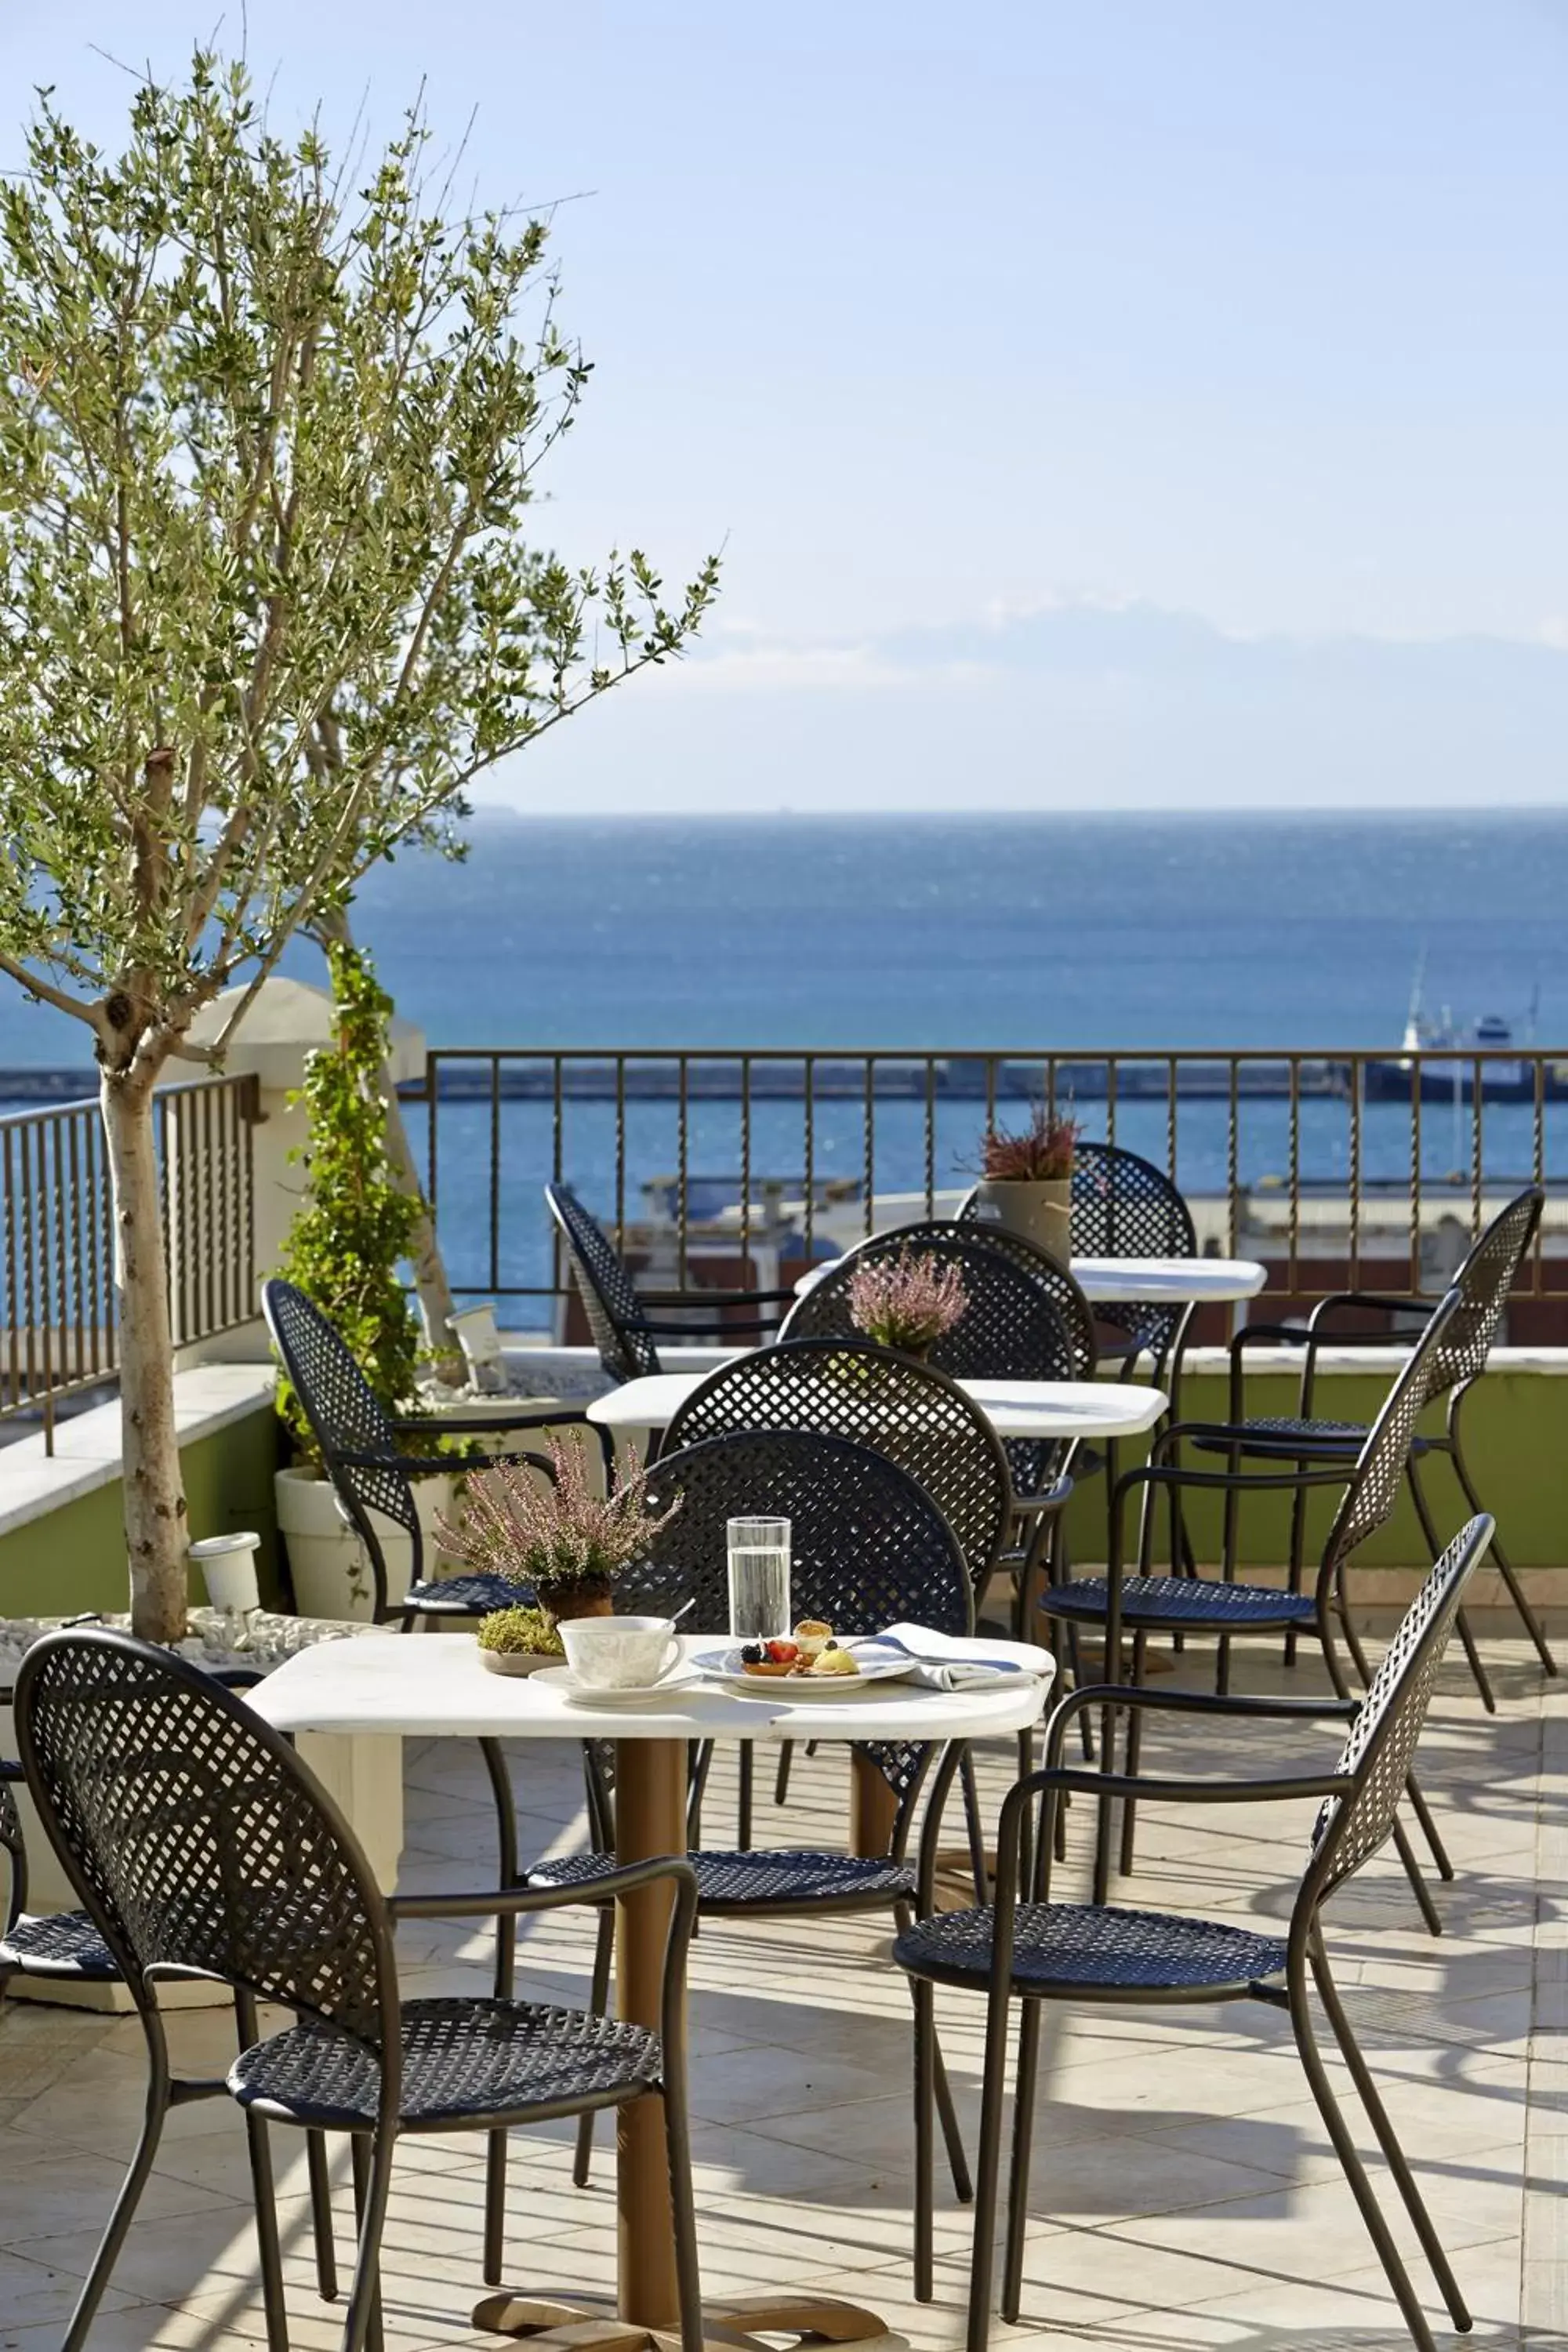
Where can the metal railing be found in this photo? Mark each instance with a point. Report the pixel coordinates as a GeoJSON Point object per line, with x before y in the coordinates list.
{"type": "Point", "coordinates": [58, 1331]}
{"type": "Point", "coordinates": [1334, 1167]}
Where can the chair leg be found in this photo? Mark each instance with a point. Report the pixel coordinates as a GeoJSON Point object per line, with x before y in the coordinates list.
{"type": "Point", "coordinates": [264, 2195]}
{"type": "Point", "coordinates": [1435, 1547]}
{"type": "Point", "coordinates": [125, 2204]}
{"type": "Point", "coordinates": [747, 1773]}
{"type": "Point", "coordinates": [1134, 1743]}
{"type": "Point", "coordinates": [1023, 2144]}
{"type": "Point", "coordinates": [599, 2005]}
{"type": "Point", "coordinates": [925, 2092]}
{"type": "Point", "coordinates": [1418, 1886]}
{"type": "Point", "coordinates": [975, 1827]}
{"type": "Point", "coordinates": [993, 2098]}
{"type": "Point", "coordinates": [781, 1778]}
{"type": "Point", "coordinates": [1500, 1558]}
{"type": "Point", "coordinates": [1377, 2114]}
{"type": "Point", "coordinates": [318, 2164]}
{"type": "Point", "coordinates": [1350, 2161]}
{"type": "Point", "coordinates": [362, 2328]}
{"type": "Point", "coordinates": [683, 2211]}
{"type": "Point", "coordinates": [941, 2089]}
{"type": "Point", "coordinates": [493, 2255]}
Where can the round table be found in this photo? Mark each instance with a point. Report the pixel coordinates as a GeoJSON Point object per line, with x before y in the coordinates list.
{"type": "Point", "coordinates": [1126, 1281]}
{"type": "Point", "coordinates": [436, 1686]}
{"type": "Point", "coordinates": [1041, 1410]}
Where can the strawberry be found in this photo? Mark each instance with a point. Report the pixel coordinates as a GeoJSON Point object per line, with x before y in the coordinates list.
{"type": "Point", "coordinates": [784, 1654]}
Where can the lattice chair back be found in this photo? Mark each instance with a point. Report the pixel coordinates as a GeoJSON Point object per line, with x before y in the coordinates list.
{"type": "Point", "coordinates": [1123, 1206]}
{"type": "Point", "coordinates": [1374, 1482]}
{"type": "Point", "coordinates": [1012, 1329]}
{"type": "Point", "coordinates": [609, 1297]}
{"type": "Point", "coordinates": [1382, 1745]}
{"type": "Point", "coordinates": [914, 1415]}
{"type": "Point", "coordinates": [198, 1841]}
{"type": "Point", "coordinates": [1483, 1284]}
{"type": "Point", "coordinates": [868, 1545]}
{"type": "Point", "coordinates": [947, 1236]}
{"type": "Point", "coordinates": [348, 1423]}
{"type": "Point", "coordinates": [15, 1854]}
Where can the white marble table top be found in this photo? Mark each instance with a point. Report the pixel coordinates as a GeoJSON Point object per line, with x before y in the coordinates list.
{"type": "Point", "coordinates": [1123, 1281]}
{"type": "Point", "coordinates": [1041, 1410]}
{"type": "Point", "coordinates": [437, 1687]}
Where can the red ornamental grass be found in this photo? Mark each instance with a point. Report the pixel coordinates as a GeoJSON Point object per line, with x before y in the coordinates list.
{"type": "Point", "coordinates": [907, 1302]}
{"type": "Point", "coordinates": [1042, 1154]}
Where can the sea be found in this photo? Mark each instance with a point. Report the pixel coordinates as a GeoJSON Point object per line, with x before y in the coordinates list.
{"type": "Point", "coordinates": [1060, 931]}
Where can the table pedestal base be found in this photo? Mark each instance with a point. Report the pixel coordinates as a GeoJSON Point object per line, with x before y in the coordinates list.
{"type": "Point", "coordinates": [733, 2323]}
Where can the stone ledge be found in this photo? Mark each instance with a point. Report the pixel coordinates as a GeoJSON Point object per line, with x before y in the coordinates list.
{"type": "Point", "coordinates": [86, 1453]}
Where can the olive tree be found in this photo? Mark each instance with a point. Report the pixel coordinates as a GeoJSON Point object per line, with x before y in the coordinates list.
{"type": "Point", "coordinates": [268, 430]}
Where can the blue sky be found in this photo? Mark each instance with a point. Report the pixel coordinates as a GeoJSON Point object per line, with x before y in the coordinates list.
{"type": "Point", "coordinates": [1011, 349]}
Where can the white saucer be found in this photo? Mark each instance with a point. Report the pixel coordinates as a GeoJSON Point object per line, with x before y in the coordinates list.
{"type": "Point", "coordinates": [581, 1694]}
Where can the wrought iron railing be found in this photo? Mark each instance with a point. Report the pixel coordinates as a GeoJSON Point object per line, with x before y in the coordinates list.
{"type": "Point", "coordinates": [58, 1335]}
{"type": "Point", "coordinates": [1335, 1168]}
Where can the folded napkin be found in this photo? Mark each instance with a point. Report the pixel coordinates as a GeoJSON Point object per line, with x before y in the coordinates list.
{"type": "Point", "coordinates": [947, 1662]}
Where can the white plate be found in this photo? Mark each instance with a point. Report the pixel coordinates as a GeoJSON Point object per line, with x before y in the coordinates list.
{"type": "Point", "coordinates": [581, 1694]}
{"type": "Point", "coordinates": [879, 1661]}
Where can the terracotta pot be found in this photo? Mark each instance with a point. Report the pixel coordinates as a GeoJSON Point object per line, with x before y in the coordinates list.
{"type": "Point", "coordinates": [573, 1601]}
{"type": "Point", "coordinates": [1038, 1211]}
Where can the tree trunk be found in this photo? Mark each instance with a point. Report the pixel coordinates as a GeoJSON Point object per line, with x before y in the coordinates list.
{"type": "Point", "coordinates": [155, 1531]}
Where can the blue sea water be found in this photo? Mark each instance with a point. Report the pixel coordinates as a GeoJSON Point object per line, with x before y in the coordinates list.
{"type": "Point", "coordinates": [1021, 933]}
{"type": "Point", "coordinates": [1016, 934]}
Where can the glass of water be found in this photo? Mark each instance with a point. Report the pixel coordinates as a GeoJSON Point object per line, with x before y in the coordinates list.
{"type": "Point", "coordinates": [759, 1580]}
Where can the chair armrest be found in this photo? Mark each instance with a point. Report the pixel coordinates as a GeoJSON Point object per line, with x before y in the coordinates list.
{"type": "Point", "coordinates": [1380, 1301]}
{"type": "Point", "coordinates": [1175, 1701]}
{"type": "Point", "coordinates": [509, 1902]}
{"type": "Point", "coordinates": [747, 1328]}
{"type": "Point", "coordinates": [419, 1424]}
{"type": "Point", "coordinates": [1198, 1792]}
{"type": "Point", "coordinates": [706, 1297]}
{"type": "Point", "coordinates": [1051, 1499]}
{"type": "Point", "coordinates": [416, 1466]}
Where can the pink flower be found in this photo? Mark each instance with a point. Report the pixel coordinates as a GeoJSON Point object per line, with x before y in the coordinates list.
{"type": "Point", "coordinates": [907, 1302]}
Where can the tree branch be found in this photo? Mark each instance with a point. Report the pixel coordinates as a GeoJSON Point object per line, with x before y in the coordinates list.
{"type": "Point", "coordinates": [47, 992]}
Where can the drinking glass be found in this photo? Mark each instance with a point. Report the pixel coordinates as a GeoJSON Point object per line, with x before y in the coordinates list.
{"type": "Point", "coordinates": [759, 1580]}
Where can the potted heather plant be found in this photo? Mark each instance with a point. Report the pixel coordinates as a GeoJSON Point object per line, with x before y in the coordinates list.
{"type": "Point", "coordinates": [1025, 1181]}
{"type": "Point", "coordinates": [907, 1302]}
{"type": "Point", "coordinates": [564, 1547]}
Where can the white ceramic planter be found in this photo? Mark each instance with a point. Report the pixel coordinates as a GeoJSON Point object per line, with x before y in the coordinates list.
{"type": "Point", "coordinates": [328, 1563]}
{"type": "Point", "coordinates": [228, 1567]}
{"type": "Point", "coordinates": [474, 1328]}
{"type": "Point", "coordinates": [1038, 1212]}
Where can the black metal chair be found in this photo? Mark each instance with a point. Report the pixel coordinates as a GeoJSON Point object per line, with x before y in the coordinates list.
{"type": "Point", "coordinates": [919, 1417]}
{"type": "Point", "coordinates": [1123, 1206]}
{"type": "Point", "coordinates": [66, 1948]}
{"type": "Point", "coordinates": [1483, 1283]}
{"type": "Point", "coordinates": [1146, 1605]}
{"type": "Point", "coordinates": [869, 1549]}
{"type": "Point", "coordinates": [202, 1846]}
{"type": "Point", "coordinates": [623, 1333]}
{"type": "Point", "coordinates": [372, 1474]}
{"type": "Point", "coordinates": [916, 1416]}
{"type": "Point", "coordinates": [1037, 1950]}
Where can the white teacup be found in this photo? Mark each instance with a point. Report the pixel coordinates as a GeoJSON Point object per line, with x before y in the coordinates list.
{"type": "Point", "coordinates": [619, 1652]}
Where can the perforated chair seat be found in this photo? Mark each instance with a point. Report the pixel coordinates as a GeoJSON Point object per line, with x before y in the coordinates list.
{"type": "Point", "coordinates": [1095, 1951]}
{"type": "Point", "coordinates": [1186, 1601]}
{"type": "Point", "coordinates": [461, 1596]}
{"type": "Point", "coordinates": [1285, 1438]}
{"type": "Point", "coordinates": [745, 1880]}
{"type": "Point", "coordinates": [461, 2059]}
{"type": "Point", "coordinates": [57, 1944]}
